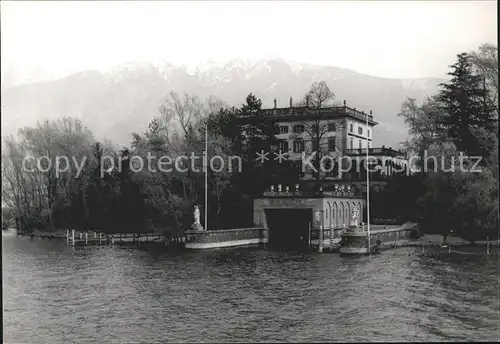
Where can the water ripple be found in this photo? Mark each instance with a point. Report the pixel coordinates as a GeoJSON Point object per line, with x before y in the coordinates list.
{"type": "Point", "coordinates": [55, 294]}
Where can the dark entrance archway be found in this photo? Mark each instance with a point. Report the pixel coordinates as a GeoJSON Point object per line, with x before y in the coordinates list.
{"type": "Point", "coordinates": [289, 228]}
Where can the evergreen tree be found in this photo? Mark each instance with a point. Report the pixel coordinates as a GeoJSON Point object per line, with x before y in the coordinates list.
{"type": "Point", "coordinates": [260, 137]}
{"type": "Point", "coordinates": [465, 103]}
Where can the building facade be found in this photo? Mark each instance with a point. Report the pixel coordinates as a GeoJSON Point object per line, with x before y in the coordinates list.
{"type": "Point", "coordinates": [338, 136]}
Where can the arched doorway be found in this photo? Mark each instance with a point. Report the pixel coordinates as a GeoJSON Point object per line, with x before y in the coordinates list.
{"type": "Point", "coordinates": [328, 215]}
{"type": "Point", "coordinates": [341, 214]}
{"type": "Point", "coordinates": [335, 217]}
{"type": "Point", "coordinates": [348, 215]}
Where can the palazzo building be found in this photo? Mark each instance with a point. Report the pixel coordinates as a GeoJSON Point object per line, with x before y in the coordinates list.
{"type": "Point", "coordinates": [339, 134]}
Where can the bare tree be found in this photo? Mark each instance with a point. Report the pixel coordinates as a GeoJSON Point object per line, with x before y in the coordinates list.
{"type": "Point", "coordinates": [315, 100]}
{"type": "Point", "coordinates": [220, 175]}
{"type": "Point", "coordinates": [422, 123]}
{"type": "Point", "coordinates": [34, 193]}
{"type": "Point", "coordinates": [178, 117]}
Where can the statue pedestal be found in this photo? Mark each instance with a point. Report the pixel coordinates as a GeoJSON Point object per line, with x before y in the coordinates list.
{"type": "Point", "coordinates": [196, 227]}
{"type": "Point", "coordinates": [354, 229]}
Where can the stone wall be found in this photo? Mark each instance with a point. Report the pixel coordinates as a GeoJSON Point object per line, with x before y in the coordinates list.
{"type": "Point", "coordinates": [357, 242]}
{"type": "Point", "coordinates": [390, 238]}
{"type": "Point", "coordinates": [225, 238]}
{"type": "Point", "coordinates": [315, 233]}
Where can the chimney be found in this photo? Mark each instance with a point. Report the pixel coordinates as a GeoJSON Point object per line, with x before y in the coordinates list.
{"type": "Point", "coordinates": [275, 103]}
{"type": "Point", "coordinates": [371, 113]}
{"type": "Point", "coordinates": [345, 103]}
{"type": "Point", "coordinates": [291, 102]}
{"type": "Point", "coordinates": [307, 101]}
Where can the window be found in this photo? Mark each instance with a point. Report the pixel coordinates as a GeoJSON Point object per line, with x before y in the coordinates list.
{"type": "Point", "coordinates": [283, 129]}
{"type": "Point", "coordinates": [331, 144]}
{"type": "Point", "coordinates": [360, 144]}
{"type": "Point", "coordinates": [299, 128]}
{"type": "Point", "coordinates": [369, 144]}
{"type": "Point", "coordinates": [352, 144]}
{"type": "Point", "coordinates": [298, 146]}
{"type": "Point", "coordinates": [351, 128]}
{"type": "Point", "coordinates": [332, 169]}
{"type": "Point", "coordinates": [327, 165]}
{"type": "Point", "coordinates": [360, 131]}
{"type": "Point", "coordinates": [315, 146]}
{"type": "Point", "coordinates": [368, 133]}
{"type": "Point", "coordinates": [331, 127]}
{"type": "Point", "coordinates": [298, 165]}
{"type": "Point", "coordinates": [284, 146]}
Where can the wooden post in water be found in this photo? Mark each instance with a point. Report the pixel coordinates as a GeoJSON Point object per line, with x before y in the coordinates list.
{"type": "Point", "coordinates": [100, 238]}
{"type": "Point", "coordinates": [320, 240]}
{"type": "Point", "coordinates": [67, 236]}
{"type": "Point", "coordinates": [309, 238]}
{"type": "Point", "coordinates": [73, 237]}
{"type": "Point", "coordinates": [449, 249]}
{"type": "Point", "coordinates": [488, 245]}
{"type": "Point", "coordinates": [86, 238]}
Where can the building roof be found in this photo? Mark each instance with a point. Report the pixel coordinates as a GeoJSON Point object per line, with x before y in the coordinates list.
{"type": "Point", "coordinates": [304, 112]}
{"type": "Point", "coordinates": [383, 151]}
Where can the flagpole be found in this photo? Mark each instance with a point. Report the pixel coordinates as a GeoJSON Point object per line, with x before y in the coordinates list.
{"type": "Point", "coordinates": [367, 189]}
{"type": "Point", "coordinates": [206, 174]}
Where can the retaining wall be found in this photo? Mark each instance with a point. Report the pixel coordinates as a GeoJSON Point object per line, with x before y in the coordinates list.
{"type": "Point", "coordinates": [225, 238]}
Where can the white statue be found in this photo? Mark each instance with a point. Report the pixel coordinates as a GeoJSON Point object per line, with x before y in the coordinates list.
{"type": "Point", "coordinates": [196, 225]}
{"type": "Point", "coordinates": [354, 217]}
{"type": "Point", "coordinates": [196, 215]}
{"type": "Point", "coordinates": [279, 187]}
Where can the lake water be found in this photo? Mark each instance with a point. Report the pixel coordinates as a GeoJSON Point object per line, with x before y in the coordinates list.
{"type": "Point", "coordinates": [53, 293]}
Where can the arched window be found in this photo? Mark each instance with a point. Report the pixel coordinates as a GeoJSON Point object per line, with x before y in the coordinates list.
{"type": "Point", "coordinates": [351, 127]}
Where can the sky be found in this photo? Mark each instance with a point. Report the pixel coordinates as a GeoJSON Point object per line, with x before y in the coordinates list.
{"type": "Point", "coordinates": [395, 39]}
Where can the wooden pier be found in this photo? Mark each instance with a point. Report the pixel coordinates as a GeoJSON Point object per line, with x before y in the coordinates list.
{"type": "Point", "coordinates": [95, 238]}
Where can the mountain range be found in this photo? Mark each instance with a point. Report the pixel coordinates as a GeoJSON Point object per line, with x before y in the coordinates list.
{"type": "Point", "coordinates": [116, 102]}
